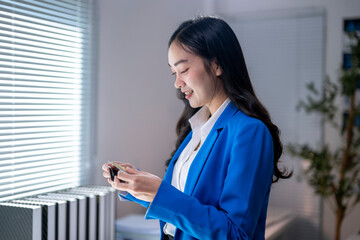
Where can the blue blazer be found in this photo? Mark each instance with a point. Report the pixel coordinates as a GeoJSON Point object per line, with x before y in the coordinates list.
{"type": "Point", "coordinates": [228, 185]}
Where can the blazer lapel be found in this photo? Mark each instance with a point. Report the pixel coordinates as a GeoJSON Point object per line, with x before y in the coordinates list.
{"type": "Point", "coordinates": [203, 154]}
{"type": "Point", "coordinates": [199, 162]}
{"type": "Point", "coordinates": [170, 169]}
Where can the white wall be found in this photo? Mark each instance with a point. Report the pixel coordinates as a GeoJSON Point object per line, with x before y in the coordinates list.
{"type": "Point", "coordinates": [137, 106]}
{"type": "Point", "coordinates": [336, 11]}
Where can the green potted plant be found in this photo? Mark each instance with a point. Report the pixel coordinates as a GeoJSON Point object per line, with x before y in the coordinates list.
{"type": "Point", "coordinates": [335, 173]}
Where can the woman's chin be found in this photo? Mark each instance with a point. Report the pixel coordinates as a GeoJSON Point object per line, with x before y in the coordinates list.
{"type": "Point", "coordinates": [194, 105]}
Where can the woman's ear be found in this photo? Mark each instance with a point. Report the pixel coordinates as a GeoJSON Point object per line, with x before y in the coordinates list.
{"type": "Point", "coordinates": [216, 68]}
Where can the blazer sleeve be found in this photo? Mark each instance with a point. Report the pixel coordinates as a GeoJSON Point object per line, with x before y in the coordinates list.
{"type": "Point", "coordinates": [245, 189]}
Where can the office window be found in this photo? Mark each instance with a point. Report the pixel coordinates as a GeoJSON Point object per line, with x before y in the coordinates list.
{"type": "Point", "coordinates": [45, 95]}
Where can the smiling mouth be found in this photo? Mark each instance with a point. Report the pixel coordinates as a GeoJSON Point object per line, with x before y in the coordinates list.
{"type": "Point", "coordinates": [188, 92]}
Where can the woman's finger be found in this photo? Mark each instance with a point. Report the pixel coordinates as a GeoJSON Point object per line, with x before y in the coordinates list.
{"type": "Point", "coordinates": [131, 170]}
{"type": "Point", "coordinates": [112, 183]}
{"type": "Point", "coordinates": [125, 165]}
{"type": "Point", "coordinates": [105, 167]}
{"type": "Point", "coordinates": [122, 186]}
{"type": "Point", "coordinates": [109, 181]}
{"type": "Point", "coordinates": [106, 174]}
{"type": "Point", "coordinates": [125, 176]}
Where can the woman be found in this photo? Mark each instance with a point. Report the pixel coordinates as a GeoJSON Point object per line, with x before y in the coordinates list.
{"type": "Point", "coordinates": [218, 181]}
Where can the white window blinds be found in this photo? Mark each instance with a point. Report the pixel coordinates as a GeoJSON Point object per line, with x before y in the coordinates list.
{"type": "Point", "coordinates": [45, 83]}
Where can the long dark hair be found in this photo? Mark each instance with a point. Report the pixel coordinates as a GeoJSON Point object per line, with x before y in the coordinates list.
{"type": "Point", "coordinates": [213, 39]}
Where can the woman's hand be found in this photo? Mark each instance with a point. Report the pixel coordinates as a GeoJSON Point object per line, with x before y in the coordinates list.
{"type": "Point", "coordinates": [142, 185]}
{"type": "Point", "coordinates": [105, 168]}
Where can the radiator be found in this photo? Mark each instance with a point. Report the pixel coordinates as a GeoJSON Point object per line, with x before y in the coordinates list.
{"type": "Point", "coordinates": [80, 213]}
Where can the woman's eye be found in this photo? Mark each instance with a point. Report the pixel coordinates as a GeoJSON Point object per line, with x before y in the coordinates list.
{"type": "Point", "coordinates": [174, 73]}
{"type": "Point", "coordinates": [184, 71]}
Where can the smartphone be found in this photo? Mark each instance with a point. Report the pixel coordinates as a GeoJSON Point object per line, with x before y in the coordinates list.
{"type": "Point", "coordinates": [114, 169]}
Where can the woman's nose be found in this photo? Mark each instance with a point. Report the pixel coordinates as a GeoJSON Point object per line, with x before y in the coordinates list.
{"type": "Point", "coordinates": [178, 82]}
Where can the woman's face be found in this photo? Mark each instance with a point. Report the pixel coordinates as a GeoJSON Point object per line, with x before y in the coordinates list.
{"type": "Point", "coordinates": [194, 81]}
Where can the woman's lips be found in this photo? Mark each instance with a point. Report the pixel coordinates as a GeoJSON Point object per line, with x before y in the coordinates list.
{"type": "Point", "coordinates": [188, 94]}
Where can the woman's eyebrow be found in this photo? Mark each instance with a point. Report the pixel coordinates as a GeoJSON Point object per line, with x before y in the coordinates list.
{"type": "Point", "coordinates": [178, 62]}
